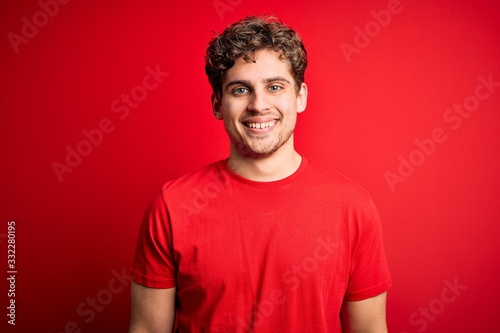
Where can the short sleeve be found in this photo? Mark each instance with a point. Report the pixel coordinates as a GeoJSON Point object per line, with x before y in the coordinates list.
{"type": "Point", "coordinates": [369, 274]}
{"type": "Point", "coordinates": [153, 264]}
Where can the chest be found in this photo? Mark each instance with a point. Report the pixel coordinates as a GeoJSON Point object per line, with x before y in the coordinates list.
{"type": "Point", "coordinates": [250, 243]}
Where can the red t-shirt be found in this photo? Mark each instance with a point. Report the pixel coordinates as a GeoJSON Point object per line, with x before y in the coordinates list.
{"type": "Point", "coordinates": [278, 256]}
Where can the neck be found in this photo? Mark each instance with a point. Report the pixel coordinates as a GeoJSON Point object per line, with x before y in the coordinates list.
{"type": "Point", "coordinates": [281, 164]}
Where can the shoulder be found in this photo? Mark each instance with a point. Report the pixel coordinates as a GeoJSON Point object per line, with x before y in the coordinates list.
{"type": "Point", "coordinates": [335, 182]}
{"type": "Point", "coordinates": [186, 188]}
{"type": "Point", "coordinates": [209, 175]}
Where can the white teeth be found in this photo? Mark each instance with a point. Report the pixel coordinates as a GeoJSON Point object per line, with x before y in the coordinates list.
{"type": "Point", "coordinates": [261, 125]}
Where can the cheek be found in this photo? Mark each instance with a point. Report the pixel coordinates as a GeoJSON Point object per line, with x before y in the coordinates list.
{"type": "Point", "coordinates": [233, 108]}
{"type": "Point", "coordinates": [287, 106]}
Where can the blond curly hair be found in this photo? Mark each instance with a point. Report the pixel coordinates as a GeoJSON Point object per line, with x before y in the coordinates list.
{"type": "Point", "coordinates": [243, 38]}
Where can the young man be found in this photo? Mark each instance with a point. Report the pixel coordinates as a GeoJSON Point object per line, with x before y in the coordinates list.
{"type": "Point", "coordinates": [265, 241]}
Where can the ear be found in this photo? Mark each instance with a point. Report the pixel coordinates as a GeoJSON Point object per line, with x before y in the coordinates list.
{"type": "Point", "coordinates": [302, 98]}
{"type": "Point", "coordinates": [216, 106]}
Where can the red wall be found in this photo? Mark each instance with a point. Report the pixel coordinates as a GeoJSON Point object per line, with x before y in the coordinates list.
{"type": "Point", "coordinates": [389, 97]}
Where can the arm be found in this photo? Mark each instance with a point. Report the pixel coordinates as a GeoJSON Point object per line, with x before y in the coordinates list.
{"type": "Point", "coordinates": [153, 310]}
{"type": "Point", "coordinates": [366, 316]}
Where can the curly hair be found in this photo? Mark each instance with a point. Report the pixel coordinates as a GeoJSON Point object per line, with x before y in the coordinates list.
{"type": "Point", "coordinates": [243, 38]}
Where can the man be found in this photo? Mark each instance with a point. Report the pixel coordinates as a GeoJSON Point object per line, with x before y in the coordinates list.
{"type": "Point", "coordinates": [265, 241]}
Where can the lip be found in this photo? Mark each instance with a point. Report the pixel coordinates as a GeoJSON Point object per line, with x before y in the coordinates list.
{"type": "Point", "coordinates": [259, 120]}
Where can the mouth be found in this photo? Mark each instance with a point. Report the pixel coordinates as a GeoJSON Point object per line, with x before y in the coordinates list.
{"type": "Point", "coordinates": [260, 125]}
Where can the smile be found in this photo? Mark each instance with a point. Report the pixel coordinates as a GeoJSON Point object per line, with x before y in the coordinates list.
{"type": "Point", "coordinates": [260, 125]}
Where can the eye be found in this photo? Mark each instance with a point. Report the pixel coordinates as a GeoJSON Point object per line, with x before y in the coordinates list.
{"type": "Point", "coordinates": [275, 88]}
{"type": "Point", "coordinates": [240, 91]}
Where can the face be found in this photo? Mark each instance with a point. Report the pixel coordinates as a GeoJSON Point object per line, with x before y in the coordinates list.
{"type": "Point", "coordinates": [259, 105]}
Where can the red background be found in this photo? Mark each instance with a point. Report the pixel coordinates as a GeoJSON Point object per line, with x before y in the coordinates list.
{"type": "Point", "coordinates": [440, 224]}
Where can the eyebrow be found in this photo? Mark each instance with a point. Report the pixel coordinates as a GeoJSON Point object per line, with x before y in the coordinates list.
{"type": "Point", "coordinates": [268, 80]}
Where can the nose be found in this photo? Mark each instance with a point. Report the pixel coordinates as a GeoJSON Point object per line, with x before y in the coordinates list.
{"type": "Point", "coordinates": [258, 102]}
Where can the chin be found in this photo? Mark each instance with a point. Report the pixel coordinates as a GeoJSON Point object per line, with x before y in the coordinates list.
{"type": "Point", "coordinates": [250, 152]}
{"type": "Point", "coordinates": [257, 154]}
{"type": "Point", "coordinates": [261, 153]}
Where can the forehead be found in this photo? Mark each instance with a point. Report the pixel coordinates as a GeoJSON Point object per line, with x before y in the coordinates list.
{"type": "Point", "coordinates": [265, 64]}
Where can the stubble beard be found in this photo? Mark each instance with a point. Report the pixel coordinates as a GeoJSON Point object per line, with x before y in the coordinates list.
{"type": "Point", "coordinates": [258, 151]}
